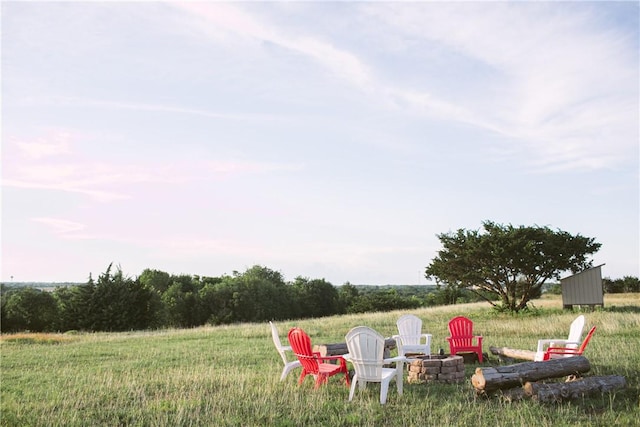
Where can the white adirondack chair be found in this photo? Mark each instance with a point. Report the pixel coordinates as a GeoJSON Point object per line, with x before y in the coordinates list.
{"type": "Point", "coordinates": [366, 354]}
{"type": "Point", "coordinates": [572, 342]}
{"type": "Point", "coordinates": [410, 338]}
{"type": "Point", "coordinates": [282, 350]}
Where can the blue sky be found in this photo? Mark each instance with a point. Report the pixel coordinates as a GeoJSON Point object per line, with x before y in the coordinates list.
{"type": "Point", "coordinates": [324, 140]}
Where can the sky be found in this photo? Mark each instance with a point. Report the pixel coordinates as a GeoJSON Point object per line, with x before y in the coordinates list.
{"type": "Point", "coordinates": [328, 140]}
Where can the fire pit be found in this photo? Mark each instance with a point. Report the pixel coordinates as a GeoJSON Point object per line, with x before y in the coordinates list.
{"type": "Point", "coordinates": [436, 368]}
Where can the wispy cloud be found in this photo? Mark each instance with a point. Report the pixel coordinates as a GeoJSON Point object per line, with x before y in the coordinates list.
{"type": "Point", "coordinates": [553, 78]}
{"type": "Point", "coordinates": [234, 19]}
{"type": "Point", "coordinates": [32, 165]}
{"type": "Point", "coordinates": [40, 148]}
{"type": "Point", "coordinates": [67, 187]}
{"type": "Point", "coordinates": [559, 81]}
{"type": "Point", "coordinates": [76, 102]}
{"type": "Point", "coordinates": [61, 227]}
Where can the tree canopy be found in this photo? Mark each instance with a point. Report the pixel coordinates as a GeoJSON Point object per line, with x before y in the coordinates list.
{"type": "Point", "coordinates": [508, 263]}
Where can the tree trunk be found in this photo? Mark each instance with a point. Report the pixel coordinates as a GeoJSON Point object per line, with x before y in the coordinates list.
{"type": "Point", "coordinates": [487, 380]}
{"type": "Point", "coordinates": [514, 353]}
{"type": "Point", "coordinates": [556, 392]}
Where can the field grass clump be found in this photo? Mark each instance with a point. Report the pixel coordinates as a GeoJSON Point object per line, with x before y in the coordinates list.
{"type": "Point", "coordinates": [228, 375]}
{"type": "Point", "coordinates": [35, 338]}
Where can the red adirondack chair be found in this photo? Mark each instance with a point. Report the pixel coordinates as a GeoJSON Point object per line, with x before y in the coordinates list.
{"type": "Point", "coordinates": [555, 352]}
{"type": "Point", "coordinates": [462, 338]}
{"type": "Point", "coordinates": [312, 362]}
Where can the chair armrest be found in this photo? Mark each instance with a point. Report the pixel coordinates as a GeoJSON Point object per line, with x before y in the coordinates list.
{"type": "Point", "coordinates": [427, 338]}
{"type": "Point", "coordinates": [336, 357]}
{"type": "Point", "coordinates": [562, 350]}
{"type": "Point", "coordinates": [466, 337]}
{"type": "Point", "coordinates": [341, 359]}
{"type": "Point", "coordinates": [554, 343]}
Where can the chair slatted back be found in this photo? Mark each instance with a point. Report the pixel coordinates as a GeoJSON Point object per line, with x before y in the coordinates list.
{"type": "Point", "coordinates": [366, 351]}
{"type": "Point", "coordinates": [461, 331]}
{"type": "Point", "coordinates": [409, 329]}
{"type": "Point", "coordinates": [301, 346]}
{"type": "Point", "coordinates": [575, 331]}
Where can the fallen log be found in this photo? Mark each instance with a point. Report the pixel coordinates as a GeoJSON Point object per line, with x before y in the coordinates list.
{"type": "Point", "coordinates": [513, 394]}
{"type": "Point", "coordinates": [513, 353]}
{"type": "Point", "coordinates": [557, 392]}
{"type": "Point", "coordinates": [487, 380]}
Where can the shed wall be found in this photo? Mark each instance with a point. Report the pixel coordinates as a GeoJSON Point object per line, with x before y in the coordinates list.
{"type": "Point", "coordinates": [584, 288]}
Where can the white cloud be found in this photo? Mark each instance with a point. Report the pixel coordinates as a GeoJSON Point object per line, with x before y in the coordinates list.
{"type": "Point", "coordinates": [234, 19]}
{"type": "Point", "coordinates": [106, 182]}
{"type": "Point", "coordinates": [560, 79]}
{"type": "Point", "coordinates": [56, 144]}
{"type": "Point", "coordinates": [76, 102]}
{"type": "Point", "coordinates": [555, 79]}
{"type": "Point", "coordinates": [61, 226]}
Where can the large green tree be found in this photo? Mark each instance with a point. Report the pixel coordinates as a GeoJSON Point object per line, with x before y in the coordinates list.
{"type": "Point", "coordinates": [510, 263]}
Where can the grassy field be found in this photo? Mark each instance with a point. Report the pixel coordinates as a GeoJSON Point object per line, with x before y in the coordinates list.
{"type": "Point", "coordinates": [228, 375]}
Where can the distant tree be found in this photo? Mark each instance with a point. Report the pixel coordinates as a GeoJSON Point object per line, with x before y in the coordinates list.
{"type": "Point", "coordinates": [445, 295]}
{"type": "Point", "coordinates": [215, 299]}
{"type": "Point", "coordinates": [74, 307]}
{"type": "Point", "coordinates": [4, 296]}
{"type": "Point", "coordinates": [29, 309]}
{"type": "Point", "coordinates": [348, 294]}
{"type": "Point", "coordinates": [155, 279]}
{"type": "Point", "coordinates": [316, 297]}
{"type": "Point", "coordinates": [182, 302]}
{"type": "Point", "coordinates": [383, 299]}
{"type": "Point", "coordinates": [631, 284]}
{"type": "Point", "coordinates": [509, 262]}
{"type": "Point", "coordinates": [626, 284]}
{"type": "Point", "coordinates": [119, 303]}
{"type": "Point", "coordinates": [612, 286]}
{"type": "Point", "coordinates": [260, 294]}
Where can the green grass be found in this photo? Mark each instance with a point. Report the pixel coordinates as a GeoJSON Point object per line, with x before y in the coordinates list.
{"type": "Point", "coordinates": [228, 375]}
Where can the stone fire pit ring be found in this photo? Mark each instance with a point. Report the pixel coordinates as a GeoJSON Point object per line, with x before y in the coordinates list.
{"type": "Point", "coordinates": [435, 368]}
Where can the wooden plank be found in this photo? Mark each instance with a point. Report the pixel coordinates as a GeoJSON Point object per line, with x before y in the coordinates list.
{"type": "Point", "coordinates": [513, 353]}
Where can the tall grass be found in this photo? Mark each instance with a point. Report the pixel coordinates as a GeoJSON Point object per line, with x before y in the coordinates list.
{"type": "Point", "coordinates": [228, 375]}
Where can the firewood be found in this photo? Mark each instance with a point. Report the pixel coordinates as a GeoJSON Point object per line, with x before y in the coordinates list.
{"type": "Point", "coordinates": [588, 386]}
{"type": "Point", "coordinates": [513, 394]}
{"type": "Point", "coordinates": [487, 380]}
{"type": "Point", "coordinates": [513, 353]}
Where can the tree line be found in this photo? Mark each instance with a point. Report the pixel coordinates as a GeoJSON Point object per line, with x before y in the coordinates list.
{"type": "Point", "coordinates": [506, 266]}
{"type": "Point", "coordinates": [156, 299]}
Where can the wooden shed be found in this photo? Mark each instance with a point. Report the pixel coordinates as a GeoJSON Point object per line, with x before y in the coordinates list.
{"type": "Point", "coordinates": [584, 288]}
